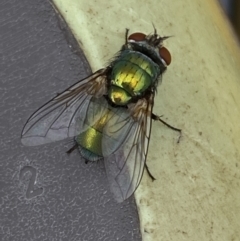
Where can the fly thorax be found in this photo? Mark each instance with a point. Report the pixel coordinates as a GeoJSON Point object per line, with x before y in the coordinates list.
{"type": "Point", "coordinates": [118, 95]}
{"type": "Point", "coordinates": [132, 74]}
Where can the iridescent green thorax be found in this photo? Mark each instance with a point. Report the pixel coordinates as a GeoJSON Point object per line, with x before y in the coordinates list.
{"type": "Point", "coordinates": [132, 74]}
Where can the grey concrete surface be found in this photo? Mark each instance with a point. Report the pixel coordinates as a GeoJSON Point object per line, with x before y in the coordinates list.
{"type": "Point", "coordinates": [44, 193]}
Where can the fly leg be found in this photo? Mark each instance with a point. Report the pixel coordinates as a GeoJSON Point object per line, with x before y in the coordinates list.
{"type": "Point", "coordinates": [126, 36]}
{"type": "Point", "coordinates": [125, 46]}
{"type": "Point", "coordinates": [155, 117]}
{"type": "Point", "coordinates": [149, 173]}
{"type": "Point", "coordinates": [75, 146]}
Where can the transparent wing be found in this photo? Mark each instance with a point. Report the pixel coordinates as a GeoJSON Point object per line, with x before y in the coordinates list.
{"type": "Point", "coordinates": [57, 119]}
{"type": "Point", "coordinates": [128, 150]}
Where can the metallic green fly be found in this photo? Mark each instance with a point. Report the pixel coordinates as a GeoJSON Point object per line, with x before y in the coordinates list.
{"type": "Point", "coordinates": [109, 113]}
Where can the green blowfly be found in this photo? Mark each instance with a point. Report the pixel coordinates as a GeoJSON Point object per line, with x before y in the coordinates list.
{"type": "Point", "coordinates": [109, 114]}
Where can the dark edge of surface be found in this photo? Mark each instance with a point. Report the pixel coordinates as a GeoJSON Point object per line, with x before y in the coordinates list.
{"type": "Point", "coordinates": [69, 200]}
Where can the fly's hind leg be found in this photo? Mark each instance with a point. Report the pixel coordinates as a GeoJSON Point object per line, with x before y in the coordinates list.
{"type": "Point", "coordinates": [155, 117]}
{"type": "Point", "coordinates": [149, 173]}
{"type": "Point", "coordinates": [74, 147]}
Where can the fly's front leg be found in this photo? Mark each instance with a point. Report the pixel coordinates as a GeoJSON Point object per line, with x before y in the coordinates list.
{"type": "Point", "coordinates": [155, 117]}
{"type": "Point", "coordinates": [125, 46]}
{"type": "Point", "coordinates": [126, 36]}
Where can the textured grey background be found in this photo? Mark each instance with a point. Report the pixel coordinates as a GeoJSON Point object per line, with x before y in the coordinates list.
{"type": "Point", "coordinates": [70, 200]}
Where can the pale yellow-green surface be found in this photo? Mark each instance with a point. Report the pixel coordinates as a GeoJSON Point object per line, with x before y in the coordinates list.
{"type": "Point", "coordinates": [197, 192]}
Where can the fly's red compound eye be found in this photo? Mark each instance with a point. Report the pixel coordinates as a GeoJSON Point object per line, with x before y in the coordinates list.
{"type": "Point", "coordinates": [165, 55]}
{"type": "Point", "coordinates": [137, 37]}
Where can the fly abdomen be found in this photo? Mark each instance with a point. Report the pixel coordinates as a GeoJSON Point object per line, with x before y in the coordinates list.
{"type": "Point", "coordinates": [90, 144]}
{"type": "Point", "coordinates": [132, 74]}
{"type": "Point", "coordinates": [90, 140]}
